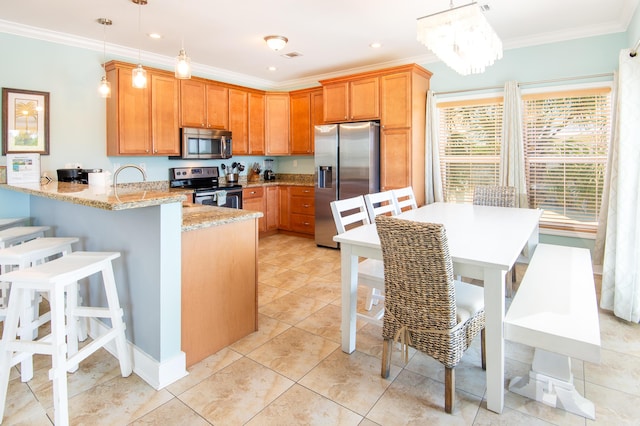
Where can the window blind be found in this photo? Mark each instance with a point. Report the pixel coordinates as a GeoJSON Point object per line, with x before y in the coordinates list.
{"type": "Point", "coordinates": [566, 139]}
{"type": "Point", "coordinates": [469, 143]}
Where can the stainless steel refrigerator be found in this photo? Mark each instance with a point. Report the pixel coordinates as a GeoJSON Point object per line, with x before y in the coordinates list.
{"type": "Point", "coordinates": [347, 164]}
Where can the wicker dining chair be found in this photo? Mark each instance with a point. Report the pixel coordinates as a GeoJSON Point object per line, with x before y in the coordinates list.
{"type": "Point", "coordinates": [425, 308]}
{"type": "Point", "coordinates": [497, 196]}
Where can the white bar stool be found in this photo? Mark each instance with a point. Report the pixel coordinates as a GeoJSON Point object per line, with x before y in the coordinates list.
{"type": "Point", "coordinates": [56, 277]}
{"type": "Point", "coordinates": [19, 234]}
{"type": "Point", "coordinates": [23, 256]}
{"type": "Point", "coordinates": [14, 221]}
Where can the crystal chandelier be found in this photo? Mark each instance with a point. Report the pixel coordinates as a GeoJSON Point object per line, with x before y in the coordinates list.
{"type": "Point", "coordinates": [462, 38]}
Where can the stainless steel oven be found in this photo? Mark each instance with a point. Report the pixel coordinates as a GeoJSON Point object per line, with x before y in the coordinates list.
{"type": "Point", "coordinates": [204, 181]}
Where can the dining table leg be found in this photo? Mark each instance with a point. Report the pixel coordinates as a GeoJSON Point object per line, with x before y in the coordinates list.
{"type": "Point", "coordinates": [494, 338]}
{"type": "Point", "coordinates": [349, 277]}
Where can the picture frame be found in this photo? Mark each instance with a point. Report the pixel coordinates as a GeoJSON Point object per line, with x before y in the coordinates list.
{"type": "Point", "coordinates": [25, 122]}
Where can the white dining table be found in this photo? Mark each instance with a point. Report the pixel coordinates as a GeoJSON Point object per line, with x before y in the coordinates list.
{"type": "Point", "coordinates": [484, 243]}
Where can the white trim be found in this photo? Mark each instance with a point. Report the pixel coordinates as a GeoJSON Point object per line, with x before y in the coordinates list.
{"type": "Point", "coordinates": [157, 374]}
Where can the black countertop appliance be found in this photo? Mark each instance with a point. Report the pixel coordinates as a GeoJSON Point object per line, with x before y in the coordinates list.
{"type": "Point", "coordinates": [76, 175]}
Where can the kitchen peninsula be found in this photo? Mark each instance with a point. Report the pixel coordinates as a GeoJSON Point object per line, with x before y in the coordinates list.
{"type": "Point", "coordinates": [171, 255]}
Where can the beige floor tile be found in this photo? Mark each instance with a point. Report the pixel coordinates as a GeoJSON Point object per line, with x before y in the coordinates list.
{"type": "Point", "coordinates": [268, 293]}
{"type": "Point", "coordinates": [413, 399]}
{"type": "Point", "coordinates": [350, 380]}
{"type": "Point", "coordinates": [321, 288]}
{"type": "Point", "coordinates": [204, 369]}
{"type": "Point", "coordinates": [616, 371]}
{"type": "Point", "coordinates": [292, 308]}
{"type": "Point", "coordinates": [237, 393]}
{"type": "Point", "coordinates": [316, 266]}
{"type": "Point", "coordinates": [293, 353]}
{"type": "Point", "coordinates": [22, 407]}
{"type": "Point", "coordinates": [118, 401]}
{"type": "Point", "coordinates": [300, 406]}
{"type": "Point", "coordinates": [268, 328]}
{"type": "Point", "coordinates": [286, 279]}
{"type": "Point", "coordinates": [613, 407]}
{"type": "Point", "coordinates": [325, 322]}
{"type": "Point", "coordinates": [619, 335]}
{"type": "Point", "coordinates": [508, 417]}
{"type": "Point", "coordinates": [174, 413]}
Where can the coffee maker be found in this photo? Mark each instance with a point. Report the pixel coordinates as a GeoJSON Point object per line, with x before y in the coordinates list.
{"type": "Point", "coordinates": [268, 170]}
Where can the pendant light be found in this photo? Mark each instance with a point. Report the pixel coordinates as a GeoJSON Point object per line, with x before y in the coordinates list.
{"type": "Point", "coordinates": [139, 74]}
{"type": "Point", "coordinates": [105, 87]}
{"type": "Point", "coordinates": [183, 64]}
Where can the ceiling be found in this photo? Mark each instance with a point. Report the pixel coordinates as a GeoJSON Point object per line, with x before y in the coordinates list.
{"type": "Point", "coordinates": [332, 36]}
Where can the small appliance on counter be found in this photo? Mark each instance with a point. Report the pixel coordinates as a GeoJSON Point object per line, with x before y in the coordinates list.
{"type": "Point", "coordinates": [268, 170]}
{"type": "Point", "coordinates": [76, 175]}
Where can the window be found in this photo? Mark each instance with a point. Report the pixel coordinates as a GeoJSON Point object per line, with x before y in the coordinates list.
{"type": "Point", "coordinates": [470, 133]}
{"type": "Point", "coordinates": [566, 140]}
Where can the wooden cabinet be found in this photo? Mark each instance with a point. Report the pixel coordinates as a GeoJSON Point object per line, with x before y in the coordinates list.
{"type": "Point", "coordinates": [219, 288]}
{"type": "Point", "coordinates": [354, 99]}
{"type": "Point", "coordinates": [256, 123]}
{"type": "Point", "coordinates": [277, 123]}
{"type": "Point", "coordinates": [239, 121]}
{"type": "Point", "coordinates": [306, 112]}
{"type": "Point", "coordinates": [204, 104]}
{"type": "Point", "coordinates": [272, 208]}
{"type": "Point", "coordinates": [253, 199]}
{"type": "Point", "coordinates": [142, 122]}
{"type": "Point", "coordinates": [302, 209]}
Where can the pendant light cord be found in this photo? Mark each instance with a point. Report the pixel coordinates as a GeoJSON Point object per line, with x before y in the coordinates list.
{"type": "Point", "coordinates": [139, 29]}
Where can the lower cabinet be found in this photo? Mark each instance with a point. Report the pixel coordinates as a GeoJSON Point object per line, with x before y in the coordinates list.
{"type": "Point", "coordinates": [265, 200]}
{"type": "Point", "coordinates": [302, 210]}
{"type": "Point", "coordinates": [285, 207]}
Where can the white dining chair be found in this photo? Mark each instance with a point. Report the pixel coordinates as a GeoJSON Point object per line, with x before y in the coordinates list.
{"type": "Point", "coordinates": [404, 199]}
{"type": "Point", "coordinates": [347, 214]}
{"type": "Point", "coordinates": [380, 203]}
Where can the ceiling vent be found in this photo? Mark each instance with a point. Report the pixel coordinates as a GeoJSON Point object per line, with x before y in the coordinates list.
{"type": "Point", "coordinates": [291, 55]}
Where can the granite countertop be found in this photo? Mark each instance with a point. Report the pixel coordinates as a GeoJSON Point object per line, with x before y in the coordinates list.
{"type": "Point", "coordinates": [106, 198]}
{"type": "Point", "coordinates": [197, 216]}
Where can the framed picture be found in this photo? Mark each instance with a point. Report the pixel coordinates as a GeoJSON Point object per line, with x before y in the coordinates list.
{"type": "Point", "coordinates": [25, 121]}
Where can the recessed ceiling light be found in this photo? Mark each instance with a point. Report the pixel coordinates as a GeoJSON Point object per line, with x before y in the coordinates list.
{"type": "Point", "coordinates": [272, 68]}
{"type": "Point", "coordinates": [375, 45]}
{"type": "Point", "coordinates": [154, 35]}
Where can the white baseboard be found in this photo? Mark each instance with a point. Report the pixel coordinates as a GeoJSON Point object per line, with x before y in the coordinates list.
{"type": "Point", "coordinates": [157, 374]}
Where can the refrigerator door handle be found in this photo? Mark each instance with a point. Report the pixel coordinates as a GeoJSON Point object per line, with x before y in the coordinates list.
{"type": "Point", "coordinates": [324, 177]}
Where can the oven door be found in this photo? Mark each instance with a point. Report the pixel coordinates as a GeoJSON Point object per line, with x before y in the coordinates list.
{"type": "Point", "coordinates": [233, 199]}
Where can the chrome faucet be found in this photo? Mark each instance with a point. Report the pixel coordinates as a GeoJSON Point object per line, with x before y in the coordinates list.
{"type": "Point", "coordinates": [126, 166]}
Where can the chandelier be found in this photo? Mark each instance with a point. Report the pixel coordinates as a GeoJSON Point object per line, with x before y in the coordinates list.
{"type": "Point", "coordinates": [462, 38]}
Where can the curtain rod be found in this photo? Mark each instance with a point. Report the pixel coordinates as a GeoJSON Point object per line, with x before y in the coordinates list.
{"type": "Point", "coordinates": [555, 80]}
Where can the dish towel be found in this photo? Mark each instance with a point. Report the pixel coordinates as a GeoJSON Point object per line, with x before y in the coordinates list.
{"type": "Point", "coordinates": [221, 197]}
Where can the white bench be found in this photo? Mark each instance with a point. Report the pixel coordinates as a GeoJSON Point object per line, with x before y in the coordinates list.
{"type": "Point", "coordinates": [556, 312]}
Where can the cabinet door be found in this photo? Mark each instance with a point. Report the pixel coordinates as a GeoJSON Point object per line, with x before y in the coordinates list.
{"type": "Point", "coordinates": [277, 123]}
{"type": "Point", "coordinates": [165, 131]}
{"type": "Point", "coordinates": [317, 115]}
{"type": "Point", "coordinates": [256, 124]}
{"type": "Point", "coordinates": [364, 98]}
{"type": "Point", "coordinates": [336, 102]}
{"type": "Point", "coordinates": [272, 208]}
{"type": "Point", "coordinates": [238, 121]}
{"type": "Point", "coordinates": [217, 107]}
{"type": "Point", "coordinates": [395, 159]}
{"type": "Point", "coordinates": [132, 113]}
{"type": "Point", "coordinates": [192, 103]}
{"type": "Point", "coordinates": [396, 100]}
{"type": "Point", "coordinates": [283, 221]}
{"type": "Point", "coordinates": [300, 123]}
{"type": "Point", "coordinates": [253, 199]}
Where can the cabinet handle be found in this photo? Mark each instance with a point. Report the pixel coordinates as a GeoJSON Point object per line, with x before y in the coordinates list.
{"type": "Point", "coordinates": [306, 205]}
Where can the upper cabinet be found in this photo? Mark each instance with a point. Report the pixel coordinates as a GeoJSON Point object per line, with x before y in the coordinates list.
{"type": "Point", "coordinates": [204, 104]}
{"type": "Point", "coordinates": [239, 120]}
{"type": "Point", "coordinates": [351, 99]}
{"type": "Point", "coordinates": [142, 122]}
{"type": "Point", "coordinates": [277, 123]}
{"type": "Point", "coordinates": [256, 123]}
{"type": "Point", "coordinates": [306, 112]}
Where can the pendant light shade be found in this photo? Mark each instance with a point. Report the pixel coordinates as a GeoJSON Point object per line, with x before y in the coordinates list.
{"type": "Point", "coordinates": [183, 65]}
{"type": "Point", "coordinates": [139, 75]}
{"type": "Point", "coordinates": [104, 89]}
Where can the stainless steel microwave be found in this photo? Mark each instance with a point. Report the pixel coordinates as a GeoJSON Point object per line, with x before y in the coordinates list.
{"type": "Point", "coordinates": [205, 143]}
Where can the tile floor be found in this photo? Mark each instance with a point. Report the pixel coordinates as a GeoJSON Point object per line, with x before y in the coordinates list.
{"type": "Point", "coordinates": [292, 371]}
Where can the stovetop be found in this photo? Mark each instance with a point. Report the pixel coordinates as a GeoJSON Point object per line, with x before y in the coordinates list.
{"type": "Point", "coordinates": [198, 178]}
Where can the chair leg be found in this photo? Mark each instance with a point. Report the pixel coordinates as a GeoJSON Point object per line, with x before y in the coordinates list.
{"type": "Point", "coordinates": [483, 350]}
{"type": "Point", "coordinates": [449, 389]}
{"type": "Point", "coordinates": [387, 348]}
{"type": "Point", "coordinates": [370, 296]}
{"type": "Point", "coordinates": [513, 273]}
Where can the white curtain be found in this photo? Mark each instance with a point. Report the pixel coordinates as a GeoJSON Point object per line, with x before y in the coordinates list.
{"type": "Point", "coordinates": [512, 169]}
{"type": "Point", "coordinates": [433, 179]}
{"type": "Point", "coordinates": [621, 268]}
